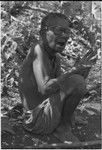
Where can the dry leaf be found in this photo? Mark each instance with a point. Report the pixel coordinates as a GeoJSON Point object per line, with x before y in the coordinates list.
{"type": "Point", "coordinates": [5, 125]}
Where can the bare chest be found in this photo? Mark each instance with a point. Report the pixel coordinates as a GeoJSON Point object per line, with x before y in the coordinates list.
{"type": "Point", "coordinates": [50, 67]}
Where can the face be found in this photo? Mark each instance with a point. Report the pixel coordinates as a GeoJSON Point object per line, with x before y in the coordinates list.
{"type": "Point", "coordinates": [57, 35]}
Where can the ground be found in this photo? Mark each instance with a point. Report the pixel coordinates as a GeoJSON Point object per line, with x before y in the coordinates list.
{"type": "Point", "coordinates": [14, 136]}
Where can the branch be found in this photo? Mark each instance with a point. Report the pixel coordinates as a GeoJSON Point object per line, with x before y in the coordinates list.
{"type": "Point", "coordinates": [27, 7]}
{"type": "Point", "coordinates": [13, 18]}
{"type": "Point", "coordinates": [38, 9]}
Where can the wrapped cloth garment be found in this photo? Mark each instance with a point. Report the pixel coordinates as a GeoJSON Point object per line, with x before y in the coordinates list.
{"type": "Point", "coordinates": [44, 118]}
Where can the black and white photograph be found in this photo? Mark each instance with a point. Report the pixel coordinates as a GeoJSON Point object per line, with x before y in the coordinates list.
{"type": "Point", "coordinates": [51, 74]}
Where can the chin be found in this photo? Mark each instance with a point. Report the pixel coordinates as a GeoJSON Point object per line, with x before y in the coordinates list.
{"type": "Point", "coordinates": [59, 49]}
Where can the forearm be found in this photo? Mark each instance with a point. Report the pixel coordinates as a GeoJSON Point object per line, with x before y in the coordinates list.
{"type": "Point", "coordinates": [54, 85]}
{"type": "Point", "coordinates": [50, 87]}
{"type": "Point", "coordinates": [82, 70]}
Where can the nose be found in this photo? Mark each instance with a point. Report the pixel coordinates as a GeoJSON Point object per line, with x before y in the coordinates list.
{"type": "Point", "coordinates": [65, 35]}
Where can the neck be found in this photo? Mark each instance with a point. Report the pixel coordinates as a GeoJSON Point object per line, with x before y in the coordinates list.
{"type": "Point", "coordinates": [49, 51]}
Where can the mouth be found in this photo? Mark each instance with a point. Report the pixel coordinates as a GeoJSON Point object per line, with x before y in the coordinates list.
{"type": "Point", "coordinates": [61, 43]}
{"type": "Point", "coordinates": [60, 46]}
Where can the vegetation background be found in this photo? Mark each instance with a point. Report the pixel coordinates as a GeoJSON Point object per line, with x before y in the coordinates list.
{"type": "Point", "coordinates": [20, 25]}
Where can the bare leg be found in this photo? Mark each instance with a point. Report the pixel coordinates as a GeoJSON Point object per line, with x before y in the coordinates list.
{"type": "Point", "coordinates": [74, 98]}
{"type": "Point", "coordinates": [75, 88]}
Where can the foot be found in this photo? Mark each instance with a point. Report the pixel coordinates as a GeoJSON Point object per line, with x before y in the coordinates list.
{"type": "Point", "coordinates": [64, 134]}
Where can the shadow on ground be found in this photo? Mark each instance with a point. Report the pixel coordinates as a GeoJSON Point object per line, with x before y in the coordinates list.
{"type": "Point", "coordinates": [89, 133]}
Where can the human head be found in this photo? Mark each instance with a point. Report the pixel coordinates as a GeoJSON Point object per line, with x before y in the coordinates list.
{"type": "Point", "coordinates": [55, 31]}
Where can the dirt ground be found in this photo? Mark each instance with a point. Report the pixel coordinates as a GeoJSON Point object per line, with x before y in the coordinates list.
{"type": "Point", "coordinates": [16, 137]}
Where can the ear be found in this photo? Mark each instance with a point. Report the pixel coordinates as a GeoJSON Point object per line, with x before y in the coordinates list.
{"type": "Point", "coordinates": [50, 36]}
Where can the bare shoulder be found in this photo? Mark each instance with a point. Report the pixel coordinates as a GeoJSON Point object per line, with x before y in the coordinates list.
{"type": "Point", "coordinates": [38, 50]}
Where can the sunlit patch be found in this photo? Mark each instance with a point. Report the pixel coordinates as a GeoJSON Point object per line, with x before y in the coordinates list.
{"type": "Point", "coordinates": [67, 142]}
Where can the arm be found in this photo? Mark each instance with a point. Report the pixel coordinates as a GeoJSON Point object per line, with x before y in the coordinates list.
{"type": "Point", "coordinates": [46, 85]}
{"type": "Point", "coordinates": [57, 66]}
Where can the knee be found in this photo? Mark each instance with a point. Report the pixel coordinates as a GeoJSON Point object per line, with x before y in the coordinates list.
{"type": "Point", "coordinates": [79, 84]}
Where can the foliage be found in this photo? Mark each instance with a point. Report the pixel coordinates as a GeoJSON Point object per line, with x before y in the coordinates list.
{"type": "Point", "coordinates": [18, 35]}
